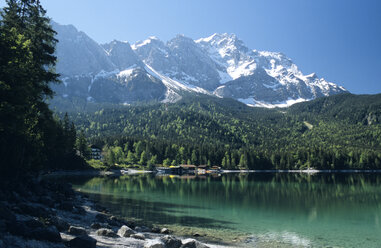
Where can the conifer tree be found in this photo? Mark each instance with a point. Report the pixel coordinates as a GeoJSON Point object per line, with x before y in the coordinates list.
{"type": "Point", "coordinates": [28, 131]}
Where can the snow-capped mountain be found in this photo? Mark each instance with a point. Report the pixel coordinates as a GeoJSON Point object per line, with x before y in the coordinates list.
{"type": "Point", "coordinates": [152, 70]}
{"type": "Point", "coordinates": [109, 73]}
{"type": "Point", "coordinates": [259, 77]}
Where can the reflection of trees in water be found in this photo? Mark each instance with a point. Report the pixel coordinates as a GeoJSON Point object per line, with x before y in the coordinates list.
{"type": "Point", "coordinates": [264, 190]}
{"type": "Point", "coordinates": [157, 212]}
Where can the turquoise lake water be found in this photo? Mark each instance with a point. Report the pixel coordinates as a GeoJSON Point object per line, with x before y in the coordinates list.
{"type": "Point", "coordinates": [257, 209]}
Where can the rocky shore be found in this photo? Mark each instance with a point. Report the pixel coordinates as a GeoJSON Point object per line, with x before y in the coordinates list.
{"type": "Point", "coordinates": [43, 214]}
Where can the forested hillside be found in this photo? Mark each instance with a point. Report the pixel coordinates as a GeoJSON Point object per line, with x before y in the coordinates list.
{"type": "Point", "coordinates": [341, 131]}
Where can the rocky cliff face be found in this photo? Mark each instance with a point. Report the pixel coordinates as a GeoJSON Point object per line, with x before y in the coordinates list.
{"type": "Point", "coordinates": [78, 54]}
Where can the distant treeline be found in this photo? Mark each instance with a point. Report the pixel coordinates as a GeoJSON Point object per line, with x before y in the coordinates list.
{"type": "Point", "coordinates": [337, 132]}
{"type": "Point", "coordinates": [130, 151]}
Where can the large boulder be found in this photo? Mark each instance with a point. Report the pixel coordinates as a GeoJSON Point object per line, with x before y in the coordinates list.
{"type": "Point", "coordinates": [83, 242]}
{"type": "Point", "coordinates": [189, 244]}
{"type": "Point", "coordinates": [164, 230]}
{"type": "Point", "coordinates": [125, 231]}
{"type": "Point", "coordinates": [75, 230]}
{"type": "Point", "coordinates": [171, 241]}
{"type": "Point", "coordinates": [106, 232]}
{"type": "Point", "coordinates": [138, 236]}
{"type": "Point", "coordinates": [154, 244]}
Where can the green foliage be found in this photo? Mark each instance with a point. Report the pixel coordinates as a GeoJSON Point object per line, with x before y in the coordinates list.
{"type": "Point", "coordinates": [243, 162]}
{"type": "Point", "coordinates": [131, 158]}
{"type": "Point", "coordinates": [152, 162]}
{"type": "Point", "coordinates": [97, 164]}
{"type": "Point", "coordinates": [143, 158]}
{"type": "Point", "coordinates": [30, 137]}
{"type": "Point", "coordinates": [207, 130]}
{"type": "Point", "coordinates": [166, 162]}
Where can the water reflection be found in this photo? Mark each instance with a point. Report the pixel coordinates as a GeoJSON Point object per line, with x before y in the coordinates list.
{"type": "Point", "coordinates": [275, 190]}
{"type": "Point", "coordinates": [322, 207]}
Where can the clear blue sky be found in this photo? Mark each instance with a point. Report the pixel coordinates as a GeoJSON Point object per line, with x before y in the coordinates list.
{"type": "Point", "coordinates": [340, 40]}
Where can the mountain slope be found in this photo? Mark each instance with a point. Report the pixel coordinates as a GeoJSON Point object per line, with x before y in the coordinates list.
{"type": "Point", "coordinates": [260, 77]}
{"type": "Point", "coordinates": [77, 53]}
{"type": "Point", "coordinates": [110, 73]}
{"type": "Point", "coordinates": [354, 109]}
{"type": "Point", "coordinates": [205, 119]}
{"type": "Point", "coordinates": [219, 65]}
{"type": "Point", "coordinates": [281, 138]}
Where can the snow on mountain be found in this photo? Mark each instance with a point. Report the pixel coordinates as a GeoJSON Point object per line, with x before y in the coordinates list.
{"type": "Point", "coordinates": [174, 87]}
{"type": "Point", "coordinates": [151, 70]}
{"type": "Point", "coordinates": [261, 78]}
{"type": "Point", "coordinates": [145, 42]}
{"type": "Point", "coordinates": [128, 73]}
{"type": "Point", "coordinates": [102, 73]}
{"type": "Point", "coordinates": [254, 103]}
{"type": "Point", "coordinates": [230, 53]}
{"type": "Point", "coordinates": [180, 59]}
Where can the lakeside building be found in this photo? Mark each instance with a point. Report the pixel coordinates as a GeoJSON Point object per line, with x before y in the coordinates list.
{"type": "Point", "coordinates": [188, 169]}
{"type": "Point", "coordinates": [201, 169]}
{"type": "Point", "coordinates": [96, 152]}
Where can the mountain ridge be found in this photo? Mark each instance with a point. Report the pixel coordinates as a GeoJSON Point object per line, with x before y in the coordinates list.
{"type": "Point", "coordinates": [219, 65]}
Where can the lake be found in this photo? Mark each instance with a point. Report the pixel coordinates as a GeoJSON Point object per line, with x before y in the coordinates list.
{"type": "Point", "coordinates": [255, 209]}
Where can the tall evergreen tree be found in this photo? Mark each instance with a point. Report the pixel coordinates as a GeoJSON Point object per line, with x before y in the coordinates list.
{"type": "Point", "coordinates": [28, 131]}
{"type": "Point", "coordinates": [81, 146]}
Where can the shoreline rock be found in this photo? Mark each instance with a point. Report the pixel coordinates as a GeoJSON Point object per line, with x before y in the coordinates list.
{"type": "Point", "coordinates": [50, 214]}
{"type": "Point", "coordinates": [125, 231]}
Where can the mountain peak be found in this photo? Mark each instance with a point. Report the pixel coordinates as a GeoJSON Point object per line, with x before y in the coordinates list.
{"type": "Point", "coordinates": [116, 42]}
{"type": "Point", "coordinates": [217, 37]}
{"type": "Point", "coordinates": [219, 64]}
{"type": "Point", "coordinates": [149, 40]}
{"type": "Point", "coordinates": [225, 41]}
{"type": "Point", "coordinates": [180, 39]}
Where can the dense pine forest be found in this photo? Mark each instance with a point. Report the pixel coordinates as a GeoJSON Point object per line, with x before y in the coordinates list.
{"type": "Point", "coordinates": [337, 132]}
{"type": "Point", "coordinates": [31, 138]}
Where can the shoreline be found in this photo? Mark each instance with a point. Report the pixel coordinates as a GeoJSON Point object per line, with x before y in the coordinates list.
{"type": "Point", "coordinates": [39, 214]}
{"type": "Point", "coordinates": [94, 206]}
{"type": "Point", "coordinates": [121, 172]}
{"type": "Point", "coordinates": [93, 173]}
